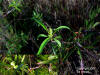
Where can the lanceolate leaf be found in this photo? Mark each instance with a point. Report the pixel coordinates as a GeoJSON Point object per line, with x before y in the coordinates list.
{"type": "Point", "coordinates": [58, 42]}
{"type": "Point", "coordinates": [95, 24]}
{"type": "Point", "coordinates": [50, 59]}
{"type": "Point", "coordinates": [45, 62]}
{"type": "Point", "coordinates": [62, 27]}
{"type": "Point", "coordinates": [41, 35]}
{"type": "Point", "coordinates": [39, 22]}
{"type": "Point", "coordinates": [43, 45]}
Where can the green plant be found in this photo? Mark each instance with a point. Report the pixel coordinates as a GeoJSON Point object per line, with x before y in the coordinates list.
{"type": "Point", "coordinates": [15, 64]}
{"type": "Point", "coordinates": [16, 4]}
{"type": "Point", "coordinates": [51, 34]}
{"type": "Point", "coordinates": [89, 23]}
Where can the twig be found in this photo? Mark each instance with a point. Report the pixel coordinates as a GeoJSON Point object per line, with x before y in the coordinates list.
{"type": "Point", "coordinates": [86, 51]}
{"type": "Point", "coordinates": [35, 68]}
{"type": "Point", "coordinates": [9, 12]}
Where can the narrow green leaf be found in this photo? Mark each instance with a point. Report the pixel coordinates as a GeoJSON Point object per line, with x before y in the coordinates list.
{"type": "Point", "coordinates": [95, 24]}
{"type": "Point", "coordinates": [23, 58]}
{"type": "Point", "coordinates": [44, 62]}
{"type": "Point", "coordinates": [58, 42]}
{"type": "Point", "coordinates": [50, 60]}
{"type": "Point", "coordinates": [52, 57]}
{"type": "Point", "coordinates": [62, 27]}
{"type": "Point", "coordinates": [40, 23]}
{"type": "Point", "coordinates": [41, 35]}
{"type": "Point", "coordinates": [79, 53]}
{"type": "Point", "coordinates": [43, 45]}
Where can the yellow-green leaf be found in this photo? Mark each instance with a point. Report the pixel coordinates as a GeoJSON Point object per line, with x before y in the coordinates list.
{"type": "Point", "coordinates": [58, 42]}
{"type": "Point", "coordinates": [52, 57]}
{"type": "Point", "coordinates": [50, 33]}
{"type": "Point", "coordinates": [62, 27]}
